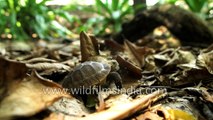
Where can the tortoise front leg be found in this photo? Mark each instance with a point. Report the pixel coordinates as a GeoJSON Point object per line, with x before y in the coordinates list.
{"type": "Point", "coordinates": [116, 78]}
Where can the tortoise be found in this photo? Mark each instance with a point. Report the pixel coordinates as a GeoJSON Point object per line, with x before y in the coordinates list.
{"type": "Point", "coordinates": [93, 72]}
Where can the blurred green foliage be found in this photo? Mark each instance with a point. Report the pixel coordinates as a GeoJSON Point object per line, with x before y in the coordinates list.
{"type": "Point", "coordinates": [113, 13]}
{"type": "Point", "coordinates": [110, 14]}
{"type": "Point", "coordinates": [22, 18]}
{"type": "Point", "coordinates": [29, 19]}
{"type": "Point", "coordinates": [200, 7]}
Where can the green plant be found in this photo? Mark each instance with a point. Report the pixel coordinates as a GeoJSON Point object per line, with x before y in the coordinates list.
{"type": "Point", "coordinates": [196, 6]}
{"type": "Point", "coordinates": [110, 14]}
{"type": "Point", "coordinates": [113, 13]}
{"type": "Point", "coordinates": [23, 18]}
{"type": "Point", "coordinates": [200, 7]}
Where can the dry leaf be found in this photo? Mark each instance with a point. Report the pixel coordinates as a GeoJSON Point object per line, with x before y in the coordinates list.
{"type": "Point", "coordinates": [181, 57]}
{"type": "Point", "coordinates": [47, 66]}
{"type": "Point", "coordinates": [114, 46]}
{"type": "Point", "coordinates": [190, 76]}
{"type": "Point", "coordinates": [201, 92]}
{"type": "Point", "coordinates": [29, 96]}
{"type": "Point", "coordinates": [126, 64]}
{"type": "Point", "coordinates": [208, 49]}
{"type": "Point", "coordinates": [206, 60]}
{"type": "Point", "coordinates": [95, 44]}
{"type": "Point", "coordinates": [70, 106]}
{"type": "Point", "coordinates": [149, 116]}
{"type": "Point", "coordinates": [54, 54]}
{"type": "Point", "coordinates": [55, 116]}
{"type": "Point", "coordinates": [39, 59]}
{"type": "Point", "coordinates": [124, 109]}
{"type": "Point", "coordinates": [10, 71]}
{"type": "Point", "coordinates": [89, 46]}
{"type": "Point", "coordinates": [137, 54]}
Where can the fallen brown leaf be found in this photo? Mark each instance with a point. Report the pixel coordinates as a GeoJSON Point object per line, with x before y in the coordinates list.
{"type": "Point", "coordinates": [124, 109]}
{"type": "Point", "coordinates": [29, 96]}
{"type": "Point", "coordinates": [89, 46]}
{"type": "Point", "coordinates": [126, 64]}
{"type": "Point", "coordinates": [70, 107]}
{"type": "Point", "coordinates": [10, 71]}
{"type": "Point", "coordinates": [47, 66]}
{"type": "Point", "coordinates": [137, 54]}
{"type": "Point", "coordinates": [114, 46]}
{"type": "Point", "coordinates": [206, 60]}
{"type": "Point", "coordinates": [55, 116]}
{"type": "Point", "coordinates": [39, 59]}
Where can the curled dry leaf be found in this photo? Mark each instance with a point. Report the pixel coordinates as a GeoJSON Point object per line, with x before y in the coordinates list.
{"type": "Point", "coordinates": [208, 49]}
{"type": "Point", "coordinates": [124, 109]}
{"type": "Point", "coordinates": [29, 96]}
{"type": "Point", "coordinates": [137, 54]}
{"type": "Point", "coordinates": [180, 57]}
{"type": "Point", "coordinates": [117, 99]}
{"type": "Point", "coordinates": [206, 60]}
{"type": "Point", "coordinates": [10, 71]}
{"type": "Point", "coordinates": [54, 54]}
{"type": "Point", "coordinates": [207, 96]}
{"type": "Point", "coordinates": [64, 54]}
{"type": "Point", "coordinates": [201, 92]}
{"type": "Point", "coordinates": [126, 64]}
{"type": "Point", "coordinates": [190, 77]}
{"type": "Point", "coordinates": [39, 59]}
{"type": "Point", "coordinates": [89, 46]}
{"type": "Point", "coordinates": [114, 46]}
{"type": "Point", "coordinates": [47, 66]}
{"type": "Point", "coordinates": [185, 57]}
{"type": "Point", "coordinates": [174, 57]}
{"type": "Point", "coordinates": [70, 107]}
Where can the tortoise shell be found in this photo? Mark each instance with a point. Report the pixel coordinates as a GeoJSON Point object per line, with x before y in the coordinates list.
{"type": "Point", "coordinates": [86, 75]}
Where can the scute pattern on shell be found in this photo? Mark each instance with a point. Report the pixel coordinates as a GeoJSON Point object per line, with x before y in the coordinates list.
{"type": "Point", "coordinates": [86, 74]}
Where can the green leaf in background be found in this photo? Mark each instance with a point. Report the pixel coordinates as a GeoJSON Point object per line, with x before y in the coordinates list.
{"type": "Point", "coordinates": [123, 4]}
{"type": "Point", "coordinates": [103, 7]}
{"type": "Point", "coordinates": [199, 7]}
{"type": "Point", "coordinates": [171, 1]}
{"type": "Point", "coordinates": [23, 18]}
{"type": "Point", "coordinates": [196, 5]}
{"type": "Point", "coordinates": [113, 12]}
{"type": "Point", "coordinates": [115, 4]}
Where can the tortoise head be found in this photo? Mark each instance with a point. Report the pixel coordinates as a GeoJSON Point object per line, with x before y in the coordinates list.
{"type": "Point", "coordinates": [114, 65]}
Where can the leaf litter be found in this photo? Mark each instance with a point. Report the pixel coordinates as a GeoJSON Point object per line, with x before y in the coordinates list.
{"type": "Point", "coordinates": [161, 80]}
